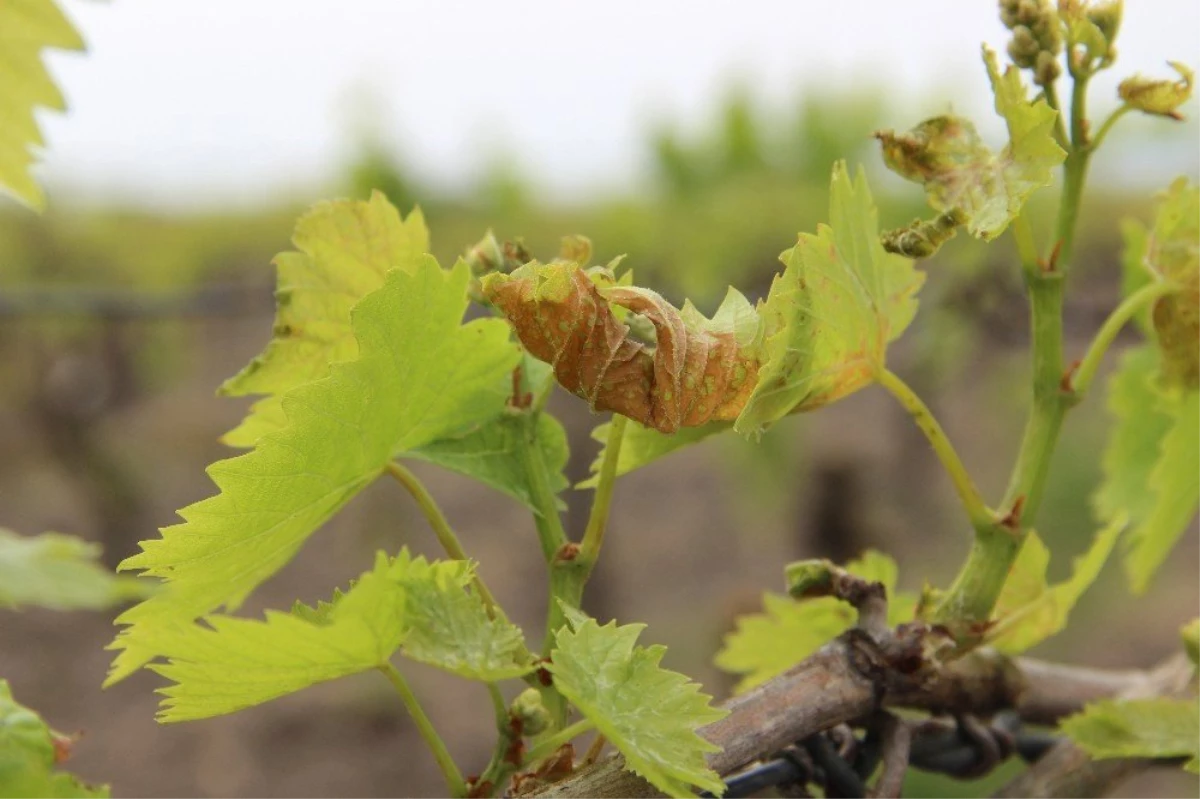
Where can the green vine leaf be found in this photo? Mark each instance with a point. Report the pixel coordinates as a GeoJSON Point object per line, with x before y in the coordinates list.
{"type": "Point", "coordinates": [488, 452]}
{"type": "Point", "coordinates": [699, 369]}
{"type": "Point", "coordinates": [1158, 97]}
{"type": "Point", "coordinates": [962, 177]}
{"type": "Point", "coordinates": [767, 644]}
{"type": "Point", "coordinates": [237, 663]}
{"type": "Point", "coordinates": [451, 628]}
{"type": "Point", "coordinates": [60, 572]}
{"type": "Point", "coordinates": [1173, 254]}
{"type": "Point", "coordinates": [1152, 728]}
{"type": "Point", "coordinates": [1135, 440]}
{"type": "Point", "coordinates": [650, 714]}
{"type": "Point", "coordinates": [26, 28]}
{"type": "Point", "coordinates": [643, 445]}
{"type": "Point", "coordinates": [420, 376]}
{"type": "Point", "coordinates": [28, 756]}
{"type": "Point", "coordinates": [1030, 610]}
{"type": "Point", "coordinates": [344, 250]}
{"type": "Point", "coordinates": [1173, 485]}
{"type": "Point", "coordinates": [831, 314]}
{"type": "Point", "coordinates": [425, 609]}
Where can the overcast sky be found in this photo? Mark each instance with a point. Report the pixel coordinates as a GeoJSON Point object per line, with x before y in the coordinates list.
{"type": "Point", "coordinates": [236, 100]}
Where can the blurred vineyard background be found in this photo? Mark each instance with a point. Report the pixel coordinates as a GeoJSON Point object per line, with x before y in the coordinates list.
{"type": "Point", "coordinates": [118, 324]}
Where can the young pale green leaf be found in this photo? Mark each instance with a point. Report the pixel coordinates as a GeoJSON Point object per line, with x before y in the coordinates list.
{"type": "Point", "coordinates": [489, 453]}
{"type": "Point", "coordinates": [767, 644]}
{"type": "Point", "coordinates": [1158, 97]}
{"type": "Point", "coordinates": [420, 376]}
{"type": "Point", "coordinates": [1134, 272]}
{"type": "Point", "coordinates": [1173, 254]}
{"type": "Point", "coordinates": [1029, 610]}
{"type": "Point", "coordinates": [650, 714]}
{"type": "Point", "coordinates": [27, 756]}
{"type": "Point", "coordinates": [60, 572]}
{"type": "Point", "coordinates": [698, 371]}
{"type": "Point", "coordinates": [963, 177]}
{"type": "Point", "coordinates": [26, 28]}
{"type": "Point", "coordinates": [343, 251]}
{"type": "Point", "coordinates": [643, 445]}
{"type": "Point", "coordinates": [239, 663]}
{"type": "Point", "coordinates": [1174, 488]}
{"type": "Point", "coordinates": [1154, 728]}
{"type": "Point", "coordinates": [830, 315]}
{"type": "Point", "coordinates": [1134, 443]}
{"type": "Point", "coordinates": [450, 626]}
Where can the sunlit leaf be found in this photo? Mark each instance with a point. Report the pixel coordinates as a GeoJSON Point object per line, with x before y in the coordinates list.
{"type": "Point", "coordinates": [59, 572]}
{"type": "Point", "coordinates": [699, 369]}
{"type": "Point", "coordinates": [233, 663]}
{"type": "Point", "coordinates": [1153, 728]}
{"type": "Point", "coordinates": [420, 375]}
{"type": "Point", "coordinates": [1158, 97]}
{"type": "Point", "coordinates": [344, 248]}
{"type": "Point", "coordinates": [1030, 610]}
{"type": "Point", "coordinates": [830, 315]}
{"type": "Point", "coordinates": [648, 713]}
{"type": "Point", "coordinates": [26, 28]}
{"type": "Point", "coordinates": [27, 756]}
{"type": "Point", "coordinates": [961, 174]}
{"type": "Point", "coordinates": [767, 644]}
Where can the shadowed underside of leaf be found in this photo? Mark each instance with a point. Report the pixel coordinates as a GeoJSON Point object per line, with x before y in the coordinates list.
{"type": "Point", "coordinates": [26, 28]}
{"type": "Point", "coordinates": [963, 177]}
{"type": "Point", "coordinates": [344, 248]}
{"type": "Point", "coordinates": [830, 315]}
{"type": "Point", "coordinates": [419, 376]}
{"type": "Point", "coordinates": [59, 572]}
{"type": "Point", "coordinates": [648, 713]}
{"type": "Point", "coordinates": [699, 369]}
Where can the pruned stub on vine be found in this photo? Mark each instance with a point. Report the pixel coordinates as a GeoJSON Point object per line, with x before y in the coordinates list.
{"type": "Point", "coordinates": [698, 370]}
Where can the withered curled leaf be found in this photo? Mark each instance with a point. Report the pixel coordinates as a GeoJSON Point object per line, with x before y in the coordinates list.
{"type": "Point", "coordinates": [698, 370]}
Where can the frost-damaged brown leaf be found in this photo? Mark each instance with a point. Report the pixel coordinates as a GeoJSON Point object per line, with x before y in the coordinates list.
{"type": "Point", "coordinates": [699, 370]}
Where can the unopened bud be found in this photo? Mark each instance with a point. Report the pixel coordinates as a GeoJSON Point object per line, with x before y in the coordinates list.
{"type": "Point", "coordinates": [1046, 69]}
{"type": "Point", "coordinates": [485, 255]}
{"type": "Point", "coordinates": [1158, 97]}
{"type": "Point", "coordinates": [1107, 18]}
{"type": "Point", "coordinates": [532, 713]}
{"type": "Point", "coordinates": [1023, 48]}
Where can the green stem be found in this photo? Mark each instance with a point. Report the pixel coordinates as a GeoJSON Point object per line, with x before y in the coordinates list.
{"type": "Point", "coordinates": [593, 536]}
{"type": "Point", "coordinates": [971, 598]}
{"type": "Point", "coordinates": [1060, 127]}
{"type": "Point", "coordinates": [499, 768]}
{"type": "Point", "coordinates": [441, 528]}
{"type": "Point", "coordinates": [1107, 126]}
{"type": "Point", "coordinates": [1022, 235]}
{"type": "Point", "coordinates": [550, 744]}
{"type": "Point", "coordinates": [1132, 304]}
{"type": "Point", "coordinates": [454, 778]}
{"type": "Point", "coordinates": [977, 510]}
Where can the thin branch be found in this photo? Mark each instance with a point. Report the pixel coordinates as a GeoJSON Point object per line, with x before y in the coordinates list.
{"type": "Point", "coordinates": [851, 677]}
{"type": "Point", "coordinates": [1066, 770]}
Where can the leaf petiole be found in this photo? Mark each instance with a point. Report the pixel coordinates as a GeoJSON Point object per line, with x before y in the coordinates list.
{"type": "Point", "coordinates": [441, 528]}
{"type": "Point", "coordinates": [454, 778]}
{"type": "Point", "coordinates": [1094, 144]}
{"type": "Point", "coordinates": [981, 516]}
{"type": "Point", "coordinates": [1129, 307]}
{"type": "Point", "coordinates": [593, 536]}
